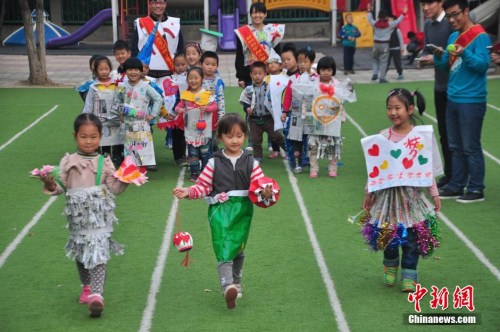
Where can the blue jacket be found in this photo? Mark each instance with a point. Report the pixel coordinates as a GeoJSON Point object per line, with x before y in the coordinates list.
{"type": "Point", "coordinates": [349, 30]}
{"type": "Point", "coordinates": [467, 82]}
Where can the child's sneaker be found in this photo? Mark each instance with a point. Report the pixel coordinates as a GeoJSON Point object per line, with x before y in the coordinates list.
{"type": "Point", "coordinates": [240, 290]}
{"type": "Point", "coordinates": [408, 285]}
{"type": "Point", "coordinates": [390, 275]}
{"type": "Point", "coordinates": [230, 295]}
{"type": "Point", "coordinates": [96, 305]}
{"type": "Point", "coordinates": [332, 174]}
{"type": "Point", "coordinates": [84, 296]}
{"type": "Point", "coordinates": [297, 169]}
{"type": "Point", "coordinates": [273, 155]}
{"type": "Point", "coordinates": [313, 174]}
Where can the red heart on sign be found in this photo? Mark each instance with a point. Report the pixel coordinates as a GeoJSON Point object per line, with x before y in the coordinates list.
{"type": "Point", "coordinates": [374, 150]}
{"type": "Point", "coordinates": [375, 172]}
{"type": "Point", "coordinates": [407, 163]}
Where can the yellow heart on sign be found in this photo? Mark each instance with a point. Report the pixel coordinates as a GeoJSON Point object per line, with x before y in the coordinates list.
{"type": "Point", "coordinates": [326, 109]}
{"type": "Point", "coordinates": [384, 165]}
{"type": "Point", "coordinates": [420, 146]}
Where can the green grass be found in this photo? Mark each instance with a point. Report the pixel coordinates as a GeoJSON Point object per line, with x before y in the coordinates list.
{"type": "Point", "coordinates": [284, 289]}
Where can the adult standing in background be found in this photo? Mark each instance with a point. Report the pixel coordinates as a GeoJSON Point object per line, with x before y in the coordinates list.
{"type": "Point", "coordinates": [382, 30]}
{"type": "Point", "coordinates": [437, 30]}
{"type": "Point", "coordinates": [467, 59]}
{"type": "Point", "coordinates": [168, 39]}
{"type": "Point", "coordinates": [255, 41]}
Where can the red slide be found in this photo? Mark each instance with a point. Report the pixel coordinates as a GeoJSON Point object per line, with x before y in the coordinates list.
{"type": "Point", "coordinates": [410, 21]}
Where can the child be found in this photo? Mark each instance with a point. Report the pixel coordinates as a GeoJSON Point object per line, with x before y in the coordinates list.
{"type": "Point", "coordinates": [224, 183]}
{"type": "Point", "coordinates": [324, 127]}
{"type": "Point", "coordinates": [255, 41]}
{"type": "Point", "coordinates": [382, 30]}
{"type": "Point", "coordinates": [349, 33]}
{"type": "Point", "coordinates": [86, 178]}
{"type": "Point", "coordinates": [193, 54]}
{"type": "Point", "coordinates": [121, 52]}
{"type": "Point", "coordinates": [279, 98]}
{"type": "Point", "coordinates": [132, 99]}
{"type": "Point", "coordinates": [254, 100]}
{"type": "Point", "coordinates": [213, 83]}
{"type": "Point", "coordinates": [306, 78]}
{"type": "Point", "coordinates": [398, 215]}
{"type": "Point", "coordinates": [172, 86]}
{"type": "Point", "coordinates": [197, 106]}
{"type": "Point", "coordinates": [99, 101]}
{"type": "Point", "coordinates": [396, 47]}
{"type": "Point", "coordinates": [415, 45]}
{"type": "Point", "coordinates": [289, 59]}
{"type": "Point", "coordinates": [83, 88]}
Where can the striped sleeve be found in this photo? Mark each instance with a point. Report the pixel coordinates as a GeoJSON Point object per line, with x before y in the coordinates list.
{"type": "Point", "coordinates": [204, 185]}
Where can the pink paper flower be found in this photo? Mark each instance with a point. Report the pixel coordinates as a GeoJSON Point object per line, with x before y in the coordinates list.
{"type": "Point", "coordinates": [222, 197]}
{"type": "Point", "coordinates": [42, 172]}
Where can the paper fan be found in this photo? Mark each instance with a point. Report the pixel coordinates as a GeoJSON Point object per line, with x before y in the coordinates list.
{"type": "Point", "coordinates": [129, 173]}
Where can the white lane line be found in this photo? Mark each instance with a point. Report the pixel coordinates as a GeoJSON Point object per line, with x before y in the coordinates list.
{"type": "Point", "coordinates": [493, 107]}
{"type": "Point", "coordinates": [486, 153]}
{"type": "Point", "coordinates": [13, 245]}
{"type": "Point", "coordinates": [16, 136]}
{"type": "Point", "coordinates": [147, 315]}
{"type": "Point", "coordinates": [475, 250]}
{"type": "Point", "coordinates": [320, 259]}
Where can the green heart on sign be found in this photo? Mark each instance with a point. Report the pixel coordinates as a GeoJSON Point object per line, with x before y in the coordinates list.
{"type": "Point", "coordinates": [422, 160]}
{"type": "Point", "coordinates": [396, 153]}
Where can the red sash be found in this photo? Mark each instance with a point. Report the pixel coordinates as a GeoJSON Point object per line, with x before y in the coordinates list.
{"type": "Point", "coordinates": [467, 37]}
{"type": "Point", "coordinates": [160, 43]}
{"type": "Point", "coordinates": [253, 44]}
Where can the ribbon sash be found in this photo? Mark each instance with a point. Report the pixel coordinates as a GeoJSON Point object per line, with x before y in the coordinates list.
{"type": "Point", "coordinates": [160, 43]}
{"type": "Point", "coordinates": [253, 44]}
{"type": "Point", "coordinates": [466, 38]}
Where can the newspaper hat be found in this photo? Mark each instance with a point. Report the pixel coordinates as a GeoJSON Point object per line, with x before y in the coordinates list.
{"type": "Point", "coordinates": [209, 40]}
{"type": "Point", "coordinates": [273, 57]}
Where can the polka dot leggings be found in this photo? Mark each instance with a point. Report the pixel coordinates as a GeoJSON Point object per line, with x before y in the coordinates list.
{"type": "Point", "coordinates": [94, 277]}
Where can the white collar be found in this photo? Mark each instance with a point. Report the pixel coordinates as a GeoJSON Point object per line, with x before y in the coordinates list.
{"type": "Point", "coordinates": [440, 17]}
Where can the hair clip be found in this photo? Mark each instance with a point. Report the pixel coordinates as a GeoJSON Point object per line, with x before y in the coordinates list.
{"type": "Point", "coordinates": [309, 48]}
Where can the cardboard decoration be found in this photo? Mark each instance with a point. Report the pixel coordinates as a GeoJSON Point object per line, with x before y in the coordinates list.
{"type": "Point", "coordinates": [277, 86]}
{"type": "Point", "coordinates": [414, 161]}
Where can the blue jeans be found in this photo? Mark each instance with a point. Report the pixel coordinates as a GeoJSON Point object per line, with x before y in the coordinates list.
{"type": "Point", "coordinates": [464, 123]}
{"type": "Point", "coordinates": [195, 154]}
{"type": "Point", "coordinates": [409, 259]}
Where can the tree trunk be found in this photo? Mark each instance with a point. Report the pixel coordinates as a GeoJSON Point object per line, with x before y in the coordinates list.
{"type": "Point", "coordinates": [36, 52]}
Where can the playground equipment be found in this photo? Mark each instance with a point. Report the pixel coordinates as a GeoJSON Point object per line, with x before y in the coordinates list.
{"type": "Point", "coordinates": [228, 22]}
{"type": "Point", "coordinates": [92, 25]}
{"type": "Point", "coordinates": [18, 38]}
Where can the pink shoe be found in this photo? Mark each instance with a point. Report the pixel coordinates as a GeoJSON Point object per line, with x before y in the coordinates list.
{"type": "Point", "coordinates": [84, 296]}
{"type": "Point", "coordinates": [332, 174]}
{"type": "Point", "coordinates": [313, 174]}
{"type": "Point", "coordinates": [273, 155]}
{"type": "Point", "coordinates": [96, 305]}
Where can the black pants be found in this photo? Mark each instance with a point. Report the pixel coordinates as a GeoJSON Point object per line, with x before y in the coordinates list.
{"type": "Point", "coordinates": [178, 144]}
{"type": "Point", "coordinates": [440, 100]}
{"type": "Point", "coordinates": [349, 57]}
{"type": "Point", "coordinates": [396, 55]}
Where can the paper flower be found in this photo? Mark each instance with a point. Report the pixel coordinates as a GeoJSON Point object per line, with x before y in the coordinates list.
{"type": "Point", "coordinates": [44, 171]}
{"type": "Point", "coordinates": [129, 173]}
{"type": "Point", "coordinates": [222, 197]}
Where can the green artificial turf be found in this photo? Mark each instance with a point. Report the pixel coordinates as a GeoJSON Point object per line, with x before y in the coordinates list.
{"type": "Point", "coordinates": [284, 289]}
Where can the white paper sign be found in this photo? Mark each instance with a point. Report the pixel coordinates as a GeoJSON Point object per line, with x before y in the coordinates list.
{"type": "Point", "coordinates": [414, 161]}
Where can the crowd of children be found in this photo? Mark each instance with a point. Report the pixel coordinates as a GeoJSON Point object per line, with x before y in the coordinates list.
{"type": "Point", "coordinates": [301, 108]}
